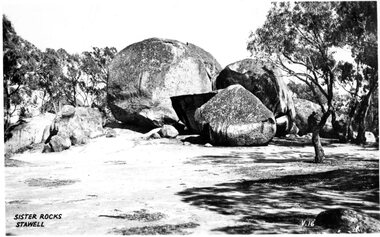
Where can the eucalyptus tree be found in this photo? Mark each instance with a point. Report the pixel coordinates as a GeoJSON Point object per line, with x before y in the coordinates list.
{"type": "Point", "coordinates": [301, 38]}
{"type": "Point", "coordinates": [296, 38]}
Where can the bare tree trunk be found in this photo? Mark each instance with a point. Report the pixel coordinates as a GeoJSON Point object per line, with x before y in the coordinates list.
{"type": "Point", "coordinates": [6, 104]}
{"type": "Point", "coordinates": [316, 140]}
{"type": "Point", "coordinates": [316, 123]}
{"type": "Point", "coordinates": [363, 110]}
{"type": "Point", "coordinates": [349, 130]}
{"type": "Point", "coordinates": [362, 115]}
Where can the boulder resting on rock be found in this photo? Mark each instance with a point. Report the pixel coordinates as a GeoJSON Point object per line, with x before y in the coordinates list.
{"type": "Point", "coordinates": [235, 117]}
{"type": "Point", "coordinates": [265, 82]}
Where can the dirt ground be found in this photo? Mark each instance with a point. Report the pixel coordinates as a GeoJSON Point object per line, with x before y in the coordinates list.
{"type": "Point", "coordinates": [130, 185]}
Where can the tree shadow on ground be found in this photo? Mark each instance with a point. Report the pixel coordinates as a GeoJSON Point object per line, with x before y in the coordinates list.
{"type": "Point", "coordinates": [276, 157]}
{"type": "Point", "coordinates": [278, 201]}
{"type": "Point", "coordinates": [301, 141]}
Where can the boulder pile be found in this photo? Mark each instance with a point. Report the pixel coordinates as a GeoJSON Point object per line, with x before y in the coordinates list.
{"type": "Point", "coordinates": [73, 126]}
{"type": "Point", "coordinates": [265, 82]}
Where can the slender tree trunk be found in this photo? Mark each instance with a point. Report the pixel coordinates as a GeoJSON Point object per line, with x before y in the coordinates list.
{"type": "Point", "coordinates": [349, 130]}
{"type": "Point", "coordinates": [6, 104]}
{"type": "Point", "coordinates": [316, 140]}
{"type": "Point", "coordinates": [362, 115]}
{"type": "Point", "coordinates": [363, 110]}
{"type": "Point", "coordinates": [316, 123]}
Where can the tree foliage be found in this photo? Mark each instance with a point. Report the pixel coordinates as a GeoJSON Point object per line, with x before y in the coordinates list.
{"type": "Point", "coordinates": [358, 29]}
{"type": "Point", "coordinates": [301, 38]}
{"type": "Point", "coordinates": [63, 78]}
{"type": "Point", "coordinates": [20, 59]}
{"type": "Point", "coordinates": [294, 38]}
{"type": "Point", "coordinates": [95, 65]}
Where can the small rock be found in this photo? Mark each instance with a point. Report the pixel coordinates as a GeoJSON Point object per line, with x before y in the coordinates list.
{"type": "Point", "coordinates": [77, 137]}
{"type": "Point", "coordinates": [186, 143]}
{"type": "Point", "coordinates": [168, 131]}
{"type": "Point", "coordinates": [208, 145]}
{"type": "Point", "coordinates": [68, 111]}
{"type": "Point", "coordinates": [308, 136]}
{"type": "Point", "coordinates": [291, 136]}
{"type": "Point", "coordinates": [110, 132]}
{"type": "Point", "coordinates": [59, 143]}
{"type": "Point", "coordinates": [347, 221]}
{"type": "Point", "coordinates": [47, 149]}
{"type": "Point", "coordinates": [154, 136]}
{"type": "Point", "coordinates": [370, 137]}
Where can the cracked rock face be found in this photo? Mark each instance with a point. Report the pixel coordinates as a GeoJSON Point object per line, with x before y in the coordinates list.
{"type": "Point", "coordinates": [144, 76]}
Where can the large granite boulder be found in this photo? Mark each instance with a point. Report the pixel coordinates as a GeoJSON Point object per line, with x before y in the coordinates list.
{"type": "Point", "coordinates": [82, 124]}
{"type": "Point", "coordinates": [235, 117]}
{"type": "Point", "coordinates": [27, 132]}
{"type": "Point", "coordinates": [144, 75]}
{"type": "Point", "coordinates": [185, 106]}
{"type": "Point", "coordinates": [265, 82]}
{"type": "Point", "coordinates": [347, 221]}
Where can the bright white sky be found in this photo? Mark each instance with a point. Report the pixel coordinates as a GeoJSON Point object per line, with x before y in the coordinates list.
{"type": "Point", "coordinates": [221, 27]}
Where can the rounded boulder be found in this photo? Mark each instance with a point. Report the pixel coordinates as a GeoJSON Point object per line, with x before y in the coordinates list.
{"type": "Point", "coordinates": [144, 75]}
{"type": "Point", "coordinates": [265, 82]}
{"type": "Point", "coordinates": [236, 117]}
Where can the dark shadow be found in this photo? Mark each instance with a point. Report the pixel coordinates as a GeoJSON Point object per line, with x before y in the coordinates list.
{"type": "Point", "coordinates": [348, 188]}
{"type": "Point", "coordinates": [301, 141]}
{"type": "Point", "coordinates": [199, 140]}
{"type": "Point", "coordinates": [135, 128]}
{"type": "Point", "coordinates": [283, 141]}
{"type": "Point", "coordinates": [8, 162]}
{"type": "Point", "coordinates": [244, 157]}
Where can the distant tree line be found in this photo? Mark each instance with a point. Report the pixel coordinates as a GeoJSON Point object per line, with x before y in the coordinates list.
{"type": "Point", "coordinates": [60, 77]}
{"type": "Point", "coordinates": [300, 38]}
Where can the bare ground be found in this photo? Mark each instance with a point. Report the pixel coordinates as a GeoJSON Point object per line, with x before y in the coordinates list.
{"type": "Point", "coordinates": [129, 185]}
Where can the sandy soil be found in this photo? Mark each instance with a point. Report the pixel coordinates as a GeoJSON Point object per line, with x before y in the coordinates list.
{"type": "Point", "coordinates": [129, 185]}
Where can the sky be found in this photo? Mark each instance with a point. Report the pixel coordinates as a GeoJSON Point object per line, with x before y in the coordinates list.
{"type": "Point", "coordinates": [221, 27]}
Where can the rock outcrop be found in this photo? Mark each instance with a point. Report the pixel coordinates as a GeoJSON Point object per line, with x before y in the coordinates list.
{"type": "Point", "coordinates": [185, 106]}
{"type": "Point", "coordinates": [265, 83]}
{"type": "Point", "coordinates": [29, 131]}
{"type": "Point", "coordinates": [235, 117]}
{"type": "Point", "coordinates": [144, 75]}
{"type": "Point", "coordinates": [82, 124]}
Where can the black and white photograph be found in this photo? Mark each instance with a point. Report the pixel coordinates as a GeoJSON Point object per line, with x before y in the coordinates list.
{"type": "Point", "coordinates": [189, 117]}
